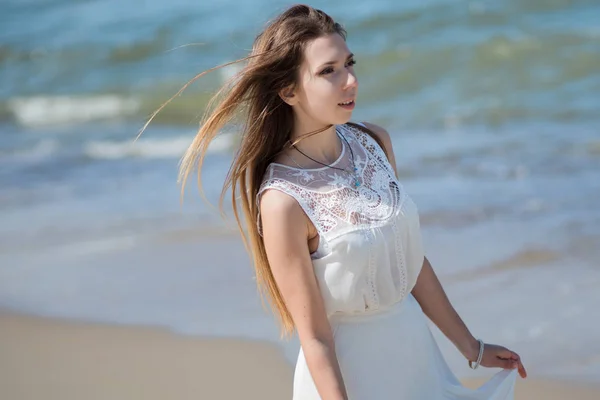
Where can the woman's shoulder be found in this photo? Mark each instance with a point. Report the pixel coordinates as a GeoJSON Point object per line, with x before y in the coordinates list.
{"type": "Point", "coordinates": [284, 179]}
{"type": "Point", "coordinates": [279, 209]}
{"type": "Point", "coordinates": [277, 202]}
{"type": "Point", "coordinates": [380, 132]}
{"type": "Point", "coordinates": [385, 140]}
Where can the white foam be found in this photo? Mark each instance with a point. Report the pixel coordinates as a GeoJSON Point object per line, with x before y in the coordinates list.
{"type": "Point", "coordinates": [157, 148]}
{"type": "Point", "coordinates": [51, 110]}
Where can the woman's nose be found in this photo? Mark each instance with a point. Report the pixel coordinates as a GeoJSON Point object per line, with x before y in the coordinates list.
{"type": "Point", "coordinates": [352, 81]}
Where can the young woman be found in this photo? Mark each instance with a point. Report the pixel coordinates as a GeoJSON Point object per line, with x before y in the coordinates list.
{"type": "Point", "coordinates": [334, 236]}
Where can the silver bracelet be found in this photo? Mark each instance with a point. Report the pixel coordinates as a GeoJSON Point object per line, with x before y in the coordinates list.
{"type": "Point", "coordinates": [479, 357]}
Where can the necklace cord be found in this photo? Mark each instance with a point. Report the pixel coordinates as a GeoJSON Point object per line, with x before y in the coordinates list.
{"type": "Point", "coordinates": [356, 180]}
{"type": "Point", "coordinates": [329, 165]}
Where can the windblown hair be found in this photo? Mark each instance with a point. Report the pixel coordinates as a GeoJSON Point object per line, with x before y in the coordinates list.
{"type": "Point", "coordinates": [252, 98]}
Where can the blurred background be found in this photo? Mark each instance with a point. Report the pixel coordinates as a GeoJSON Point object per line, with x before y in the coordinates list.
{"type": "Point", "coordinates": [494, 111]}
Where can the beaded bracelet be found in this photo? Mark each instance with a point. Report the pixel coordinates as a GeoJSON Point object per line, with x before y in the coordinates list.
{"type": "Point", "coordinates": [479, 357]}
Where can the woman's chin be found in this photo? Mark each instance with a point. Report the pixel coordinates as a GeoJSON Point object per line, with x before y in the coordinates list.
{"type": "Point", "coordinates": [342, 119]}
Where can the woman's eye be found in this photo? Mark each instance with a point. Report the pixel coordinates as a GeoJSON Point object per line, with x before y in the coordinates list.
{"type": "Point", "coordinates": [329, 70]}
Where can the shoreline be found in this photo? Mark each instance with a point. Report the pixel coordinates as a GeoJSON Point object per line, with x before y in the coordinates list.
{"type": "Point", "coordinates": [52, 358]}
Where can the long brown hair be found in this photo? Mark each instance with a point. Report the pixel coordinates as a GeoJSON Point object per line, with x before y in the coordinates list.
{"type": "Point", "coordinates": [266, 121]}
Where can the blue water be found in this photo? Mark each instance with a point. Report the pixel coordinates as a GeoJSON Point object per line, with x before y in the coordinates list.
{"type": "Point", "coordinates": [493, 109]}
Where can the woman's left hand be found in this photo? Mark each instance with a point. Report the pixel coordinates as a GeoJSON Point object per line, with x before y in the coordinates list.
{"type": "Point", "coordinates": [495, 356]}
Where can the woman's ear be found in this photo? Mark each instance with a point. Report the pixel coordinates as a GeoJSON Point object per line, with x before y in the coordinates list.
{"type": "Point", "coordinates": [288, 95]}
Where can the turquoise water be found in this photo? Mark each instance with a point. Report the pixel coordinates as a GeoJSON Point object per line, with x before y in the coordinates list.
{"type": "Point", "coordinates": [497, 93]}
{"type": "Point", "coordinates": [493, 108]}
{"type": "Point", "coordinates": [433, 64]}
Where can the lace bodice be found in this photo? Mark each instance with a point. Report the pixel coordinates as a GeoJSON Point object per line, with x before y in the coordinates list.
{"type": "Point", "coordinates": [370, 250]}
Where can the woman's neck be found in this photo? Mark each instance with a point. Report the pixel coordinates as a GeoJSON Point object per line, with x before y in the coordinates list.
{"type": "Point", "coordinates": [324, 146]}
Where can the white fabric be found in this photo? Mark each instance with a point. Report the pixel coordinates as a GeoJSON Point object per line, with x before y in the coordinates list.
{"type": "Point", "coordinates": [368, 260]}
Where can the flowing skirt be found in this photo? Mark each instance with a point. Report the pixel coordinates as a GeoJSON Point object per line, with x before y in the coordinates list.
{"type": "Point", "coordinates": [392, 355]}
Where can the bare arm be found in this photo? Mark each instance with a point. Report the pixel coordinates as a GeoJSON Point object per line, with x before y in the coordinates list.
{"type": "Point", "coordinates": [285, 235]}
{"type": "Point", "coordinates": [432, 298]}
{"type": "Point", "coordinates": [435, 304]}
{"type": "Point", "coordinates": [430, 294]}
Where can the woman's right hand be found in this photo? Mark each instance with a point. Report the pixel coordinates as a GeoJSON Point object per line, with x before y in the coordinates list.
{"type": "Point", "coordinates": [495, 356]}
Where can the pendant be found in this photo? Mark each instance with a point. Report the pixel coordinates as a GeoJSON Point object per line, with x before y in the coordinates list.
{"type": "Point", "coordinates": [356, 181]}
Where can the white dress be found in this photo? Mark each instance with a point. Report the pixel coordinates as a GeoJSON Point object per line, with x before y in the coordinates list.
{"type": "Point", "coordinates": [369, 256]}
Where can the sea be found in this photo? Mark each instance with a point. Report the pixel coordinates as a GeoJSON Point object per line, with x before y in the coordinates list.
{"type": "Point", "coordinates": [494, 112]}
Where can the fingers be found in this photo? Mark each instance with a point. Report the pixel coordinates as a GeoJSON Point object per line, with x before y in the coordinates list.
{"type": "Point", "coordinates": [519, 365]}
{"type": "Point", "coordinates": [506, 364]}
{"type": "Point", "coordinates": [501, 357]}
{"type": "Point", "coordinates": [511, 364]}
{"type": "Point", "coordinates": [515, 362]}
{"type": "Point", "coordinates": [522, 370]}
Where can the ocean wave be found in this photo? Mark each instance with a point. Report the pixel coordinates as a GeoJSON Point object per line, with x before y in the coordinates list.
{"type": "Point", "coordinates": [497, 79]}
{"type": "Point", "coordinates": [443, 65]}
{"type": "Point", "coordinates": [49, 110]}
{"type": "Point", "coordinates": [55, 110]}
{"type": "Point", "coordinates": [152, 148]}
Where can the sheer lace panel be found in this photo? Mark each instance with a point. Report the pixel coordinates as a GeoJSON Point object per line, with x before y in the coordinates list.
{"type": "Point", "coordinates": [329, 196]}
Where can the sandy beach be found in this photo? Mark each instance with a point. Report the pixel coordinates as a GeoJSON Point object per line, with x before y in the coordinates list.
{"type": "Point", "coordinates": [56, 360]}
{"type": "Point", "coordinates": [42, 358]}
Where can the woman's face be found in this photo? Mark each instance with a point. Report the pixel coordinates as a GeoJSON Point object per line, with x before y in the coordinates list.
{"type": "Point", "coordinates": [326, 81]}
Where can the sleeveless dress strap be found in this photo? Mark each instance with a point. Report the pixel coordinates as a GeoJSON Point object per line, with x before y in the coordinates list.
{"type": "Point", "coordinates": [301, 196]}
{"type": "Point", "coordinates": [374, 149]}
